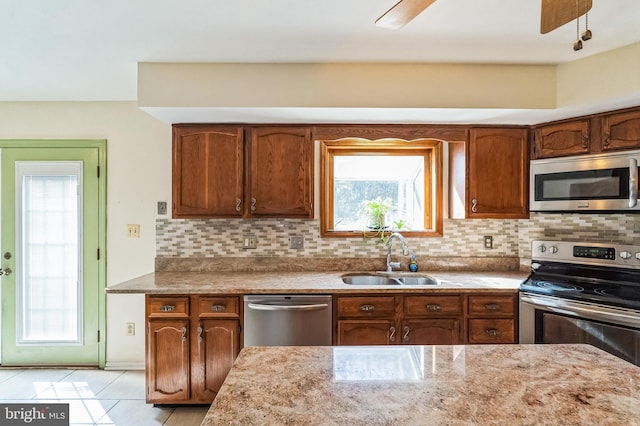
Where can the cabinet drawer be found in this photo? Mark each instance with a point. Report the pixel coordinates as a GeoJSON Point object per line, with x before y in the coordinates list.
{"type": "Point", "coordinates": [432, 305]}
{"type": "Point", "coordinates": [377, 306]}
{"type": "Point", "coordinates": [491, 305]}
{"type": "Point", "coordinates": [218, 307]}
{"type": "Point", "coordinates": [492, 331]}
{"type": "Point", "coordinates": [168, 306]}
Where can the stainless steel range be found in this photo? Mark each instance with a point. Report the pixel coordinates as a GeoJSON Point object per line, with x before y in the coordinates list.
{"type": "Point", "coordinates": [581, 292]}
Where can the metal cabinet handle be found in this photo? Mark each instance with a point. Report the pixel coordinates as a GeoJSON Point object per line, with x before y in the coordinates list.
{"type": "Point", "coordinates": [167, 308]}
{"type": "Point", "coordinates": [199, 334]}
{"type": "Point", "coordinates": [6, 272]}
{"type": "Point", "coordinates": [405, 335]}
{"type": "Point", "coordinates": [492, 332]}
{"type": "Point", "coordinates": [238, 204]}
{"type": "Point", "coordinates": [474, 205]}
{"type": "Point", "coordinates": [184, 334]}
{"type": "Point", "coordinates": [218, 308]}
{"type": "Point", "coordinates": [253, 204]}
{"type": "Point", "coordinates": [492, 307]}
{"type": "Point", "coordinates": [607, 138]}
{"type": "Point", "coordinates": [585, 141]}
{"type": "Point", "coordinates": [633, 182]}
{"type": "Point", "coordinates": [434, 307]}
{"type": "Point", "coordinates": [392, 334]}
{"type": "Point", "coordinates": [367, 308]}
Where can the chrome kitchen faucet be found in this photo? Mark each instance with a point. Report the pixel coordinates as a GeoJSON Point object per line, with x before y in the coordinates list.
{"type": "Point", "coordinates": [405, 250]}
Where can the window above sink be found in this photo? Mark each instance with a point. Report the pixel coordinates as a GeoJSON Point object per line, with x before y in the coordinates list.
{"type": "Point", "coordinates": [405, 176]}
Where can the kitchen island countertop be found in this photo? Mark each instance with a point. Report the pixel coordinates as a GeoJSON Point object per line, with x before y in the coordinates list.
{"type": "Point", "coordinates": [438, 385]}
{"type": "Point", "coordinates": [308, 282]}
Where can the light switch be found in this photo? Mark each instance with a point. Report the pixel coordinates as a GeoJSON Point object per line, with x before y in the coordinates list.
{"type": "Point", "coordinates": [133, 230]}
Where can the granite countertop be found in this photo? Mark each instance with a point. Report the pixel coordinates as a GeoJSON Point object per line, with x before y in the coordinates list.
{"type": "Point", "coordinates": [307, 282]}
{"type": "Point", "coordinates": [417, 385]}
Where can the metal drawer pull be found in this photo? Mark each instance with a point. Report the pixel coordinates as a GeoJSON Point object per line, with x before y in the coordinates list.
{"type": "Point", "coordinates": [199, 334]}
{"type": "Point", "coordinates": [433, 307]}
{"type": "Point", "coordinates": [492, 332]}
{"type": "Point", "coordinates": [253, 204]}
{"type": "Point", "coordinates": [218, 308]}
{"type": "Point", "coordinates": [167, 308]}
{"type": "Point", "coordinates": [184, 333]}
{"type": "Point", "coordinates": [392, 335]}
{"type": "Point", "coordinates": [474, 205]}
{"type": "Point", "coordinates": [405, 336]}
{"type": "Point", "coordinates": [492, 307]}
{"type": "Point", "coordinates": [238, 204]}
{"type": "Point", "coordinates": [367, 308]}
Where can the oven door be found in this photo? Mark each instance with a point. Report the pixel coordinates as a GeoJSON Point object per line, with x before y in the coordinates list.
{"type": "Point", "coordinates": [594, 182]}
{"type": "Point", "coordinates": [548, 319]}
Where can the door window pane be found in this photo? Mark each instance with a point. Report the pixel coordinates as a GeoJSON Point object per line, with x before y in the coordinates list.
{"type": "Point", "coordinates": [48, 225]}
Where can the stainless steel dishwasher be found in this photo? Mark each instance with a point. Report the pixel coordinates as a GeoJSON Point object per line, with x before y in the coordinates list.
{"type": "Point", "coordinates": [287, 320]}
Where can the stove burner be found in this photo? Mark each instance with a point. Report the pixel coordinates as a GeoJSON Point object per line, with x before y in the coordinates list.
{"type": "Point", "coordinates": [628, 293]}
{"type": "Point", "coordinates": [559, 286]}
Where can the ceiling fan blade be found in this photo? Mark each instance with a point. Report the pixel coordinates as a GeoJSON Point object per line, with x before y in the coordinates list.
{"type": "Point", "coordinates": [555, 13]}
{"type": "Point", "coordinates": [402, 13]}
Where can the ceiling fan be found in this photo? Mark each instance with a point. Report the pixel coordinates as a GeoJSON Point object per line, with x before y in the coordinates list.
{"type": "Point", "coordinates": [554, 13]}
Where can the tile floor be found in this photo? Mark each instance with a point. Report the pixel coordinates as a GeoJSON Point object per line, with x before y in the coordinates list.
{"type": "Point", "coordinates": [95, 397]}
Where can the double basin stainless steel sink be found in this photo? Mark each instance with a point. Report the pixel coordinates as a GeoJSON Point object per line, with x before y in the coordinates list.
{"type": "Point", "coordinates": [385, 278]}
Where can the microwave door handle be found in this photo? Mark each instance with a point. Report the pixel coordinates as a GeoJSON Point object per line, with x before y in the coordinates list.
{"type": "Point", "coordinates": [633, 182]}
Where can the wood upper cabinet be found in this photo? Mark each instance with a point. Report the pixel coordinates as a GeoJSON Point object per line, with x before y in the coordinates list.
{"type": "Point", "coordinates": [281, 172]}
{"type": "Point", "coordinates": [557, 140]}
{"type": "Point", "coordinates": [497, 173]}
{"type": "Point", "coordinates": [207, 171]}
{"type": "Point", "coordinates": [235, 171]}
{"type": "Point", "coordinates": [621, 131]}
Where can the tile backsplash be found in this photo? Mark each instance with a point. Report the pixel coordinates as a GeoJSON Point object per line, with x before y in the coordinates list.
{"type": "Point", "coordinates": [208, 238]}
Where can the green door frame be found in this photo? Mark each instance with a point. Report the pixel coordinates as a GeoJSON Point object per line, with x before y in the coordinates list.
{"type": "Point", "coordinates": [101, 145]}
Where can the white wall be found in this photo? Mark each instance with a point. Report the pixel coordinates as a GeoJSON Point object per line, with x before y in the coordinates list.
{"type": "Point", "coordinates": [138, 175]}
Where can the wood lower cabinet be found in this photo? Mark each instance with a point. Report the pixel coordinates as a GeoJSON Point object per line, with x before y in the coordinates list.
{"type": "Point", "coordinates": [412, 319]}
{"type": "Point", "coordinates": [492, 318]}
{"type": "Point", "coordinates": [398, 319]}
{"type": "Point", "coordinates": [168, 361]}
{"type": "Point", "coordinates": [497, 173]}
{"type": "Point", "coordinates": [192, 342]}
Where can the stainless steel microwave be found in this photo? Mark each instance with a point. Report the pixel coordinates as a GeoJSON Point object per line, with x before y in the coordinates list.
{"type": "Point", "coordinates": [597, 182]}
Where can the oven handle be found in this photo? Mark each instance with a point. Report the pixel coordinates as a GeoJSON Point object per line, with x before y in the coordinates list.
{"type": "Point", "coordinates": [633, 182]}
{"type": "Point", "coordinates": [589, 311]}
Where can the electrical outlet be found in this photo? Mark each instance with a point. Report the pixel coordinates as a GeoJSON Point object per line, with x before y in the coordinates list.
{"type": "Point", "coordinates": [296, 242]}
{"type": "Point", "coordinates": [162, 207]}
{"type": "Point", "coordinates": [488, 242]}
{"type": "Point", "coordinates": [133, 230]}
{"type": "Point", "coordinates": [131, 329]}
{"type": "Point", "coordinates": [249, 241]}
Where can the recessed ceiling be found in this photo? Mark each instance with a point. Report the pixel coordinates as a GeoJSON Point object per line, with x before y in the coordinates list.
{"type": "Point", "coordinates": [89, 50]}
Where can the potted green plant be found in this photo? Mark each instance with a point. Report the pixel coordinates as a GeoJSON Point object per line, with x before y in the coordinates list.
{"type": "Point", "coordinates": [375, 211]}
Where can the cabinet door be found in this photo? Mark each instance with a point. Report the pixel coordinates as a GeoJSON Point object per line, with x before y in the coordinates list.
{"type": "Point", "coordinates": [207, 171]}
{"type": "Point", "coordinates": [558, 140]}
{"type": "Point", "coordinates": [497, 174]}
{"type": "Point", "coordinates": [442, 331]}
{"type": "Point", "coordinates": [621, 131]}
{"type": "Point", "coordinates": [217, 346]}
{"type": "Point", "coordinates": [367, 332]}
{"type": "Point", "coordinates": [281, 172]}
{"type": "Point", "coordinates": [167, 367]}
